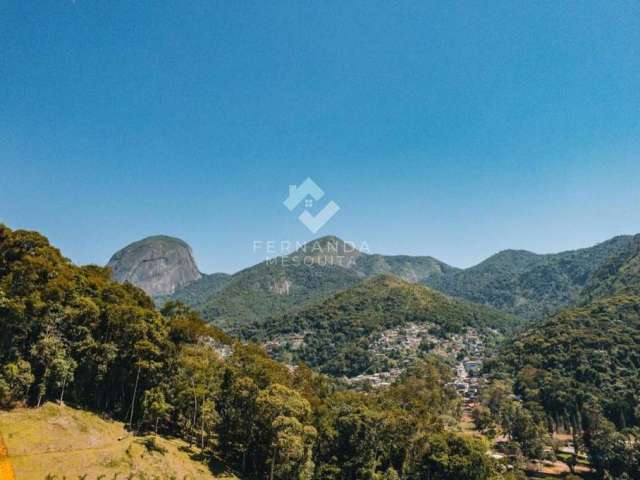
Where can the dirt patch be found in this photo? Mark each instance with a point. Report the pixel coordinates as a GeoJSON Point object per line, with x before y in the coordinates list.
{"type": "Point", "coordinates": [6, 470]}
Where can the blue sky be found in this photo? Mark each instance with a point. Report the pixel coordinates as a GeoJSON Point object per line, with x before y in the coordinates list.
{"type": "Point", "coordinates": [452, 129]}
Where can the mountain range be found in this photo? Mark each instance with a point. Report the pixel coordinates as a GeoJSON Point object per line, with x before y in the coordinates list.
{"type": "Point", "coordinates": [528, 284]}
{"type": "Point", "coordinates": [71, 333]}
{"type": "Point", "coordinates": [518, 282]}
{"type": "Point", "coordinates": [271, 288]}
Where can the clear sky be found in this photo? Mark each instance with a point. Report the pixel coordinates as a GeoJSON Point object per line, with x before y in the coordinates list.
{"type": "Point", "coordinates": [452, 129]}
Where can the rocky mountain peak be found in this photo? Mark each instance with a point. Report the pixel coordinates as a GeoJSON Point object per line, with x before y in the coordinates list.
{"type": "Point", "coordinates": [158, 265]}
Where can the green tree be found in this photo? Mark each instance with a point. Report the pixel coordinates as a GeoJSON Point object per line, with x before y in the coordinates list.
{"type": "Point", "coordinates": [482, 418]}
{"type": "Point", "coordinates": [446, 456]}
{"type": "Point", "coordinates": [55, 365]}
{"type": "Point", "coordinates": [391, 474]}
{"type": "Point", "coordinates": [15, 380]}
{"type": "Point", "coordinates": [155, 406]}
{"type": "Point", "coordinates": [282, 414]}
{"type": "Point", "coordinates": [237, 430]}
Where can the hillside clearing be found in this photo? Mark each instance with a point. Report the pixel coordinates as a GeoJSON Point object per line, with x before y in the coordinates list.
{"type": "Point", "coordinates": [66, 442]}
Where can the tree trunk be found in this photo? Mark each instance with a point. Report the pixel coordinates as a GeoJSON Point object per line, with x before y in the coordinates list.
{"type": "Point", "coordinates": [574, 460]}
{"type": "Point", "coordinates": [133, 400]}
{"type": "Point", "coordinates": [193, 434]}
{"type": "Point", "coordinates": [64, 383]}
{"type": "Point", "coordinates": [273, 463]}
{"type": "Point", "coordinates": [202, 426]}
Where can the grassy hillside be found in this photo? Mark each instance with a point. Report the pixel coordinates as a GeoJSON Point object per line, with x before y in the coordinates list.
{"type": "Point", "coordinates": [337, 332]}
{"type": "Point", "coordinates": [527, 284]}
{"type": "Point", "coordinates": [67, 442]}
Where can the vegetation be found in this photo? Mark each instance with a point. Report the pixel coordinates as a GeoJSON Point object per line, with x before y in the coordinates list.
{"type": "Point", "coordinates": [338, 332]}
{"type": "Point", "coordinates": [53, 442]}
{"type": "Point", "coordinates": [70, 334]}
{"type": "Point", "coordinates": [412, 269]}
{"type": "Point", "coordinates": [526, 284]}
{"type": "Point", "coordinates": [619, 274]}
{"type": "Point", "coordinates": [579, 372]}
{"type": "Point", "coordinates": [196, 292]}
{"type": "Point", "coordinates": [271, 289]}
{"type": "Point", "coordinates": [312, 273]}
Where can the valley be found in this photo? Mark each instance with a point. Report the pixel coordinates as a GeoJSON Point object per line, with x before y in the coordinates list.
{"type": "Point", "coordinates": [319, 240]}
{"type": "Point", "coordinates": [395, 349]}
{"type": "Point", "coordinates": [376, 326]}
{"type": "Point", "coordinates": [318, 372]}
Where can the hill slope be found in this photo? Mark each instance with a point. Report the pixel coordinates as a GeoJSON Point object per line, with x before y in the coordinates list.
{"type": "Point", "coordinates": [72, 333]}
{"type": "Point", "coordinates": [583, 354]}
{"type": "Point", "coordinates": [409, 268]}
{"type": "Point", "coordinates": [314, 272]}
{"type": "Point", "coordinates": [194, 293]}
{"type": "Point", "coordinates": [527, 284]}
{"type": "Point", "coordinates": [267, 290]}
{"type": "Point", "coordinates": [619, 274]}
{"type": "Point", "coordinates": [336, 334]}
{"type": "Point", "coordinates": [71, 443]}
{"type": "Point", "coordinates": [158, 265]}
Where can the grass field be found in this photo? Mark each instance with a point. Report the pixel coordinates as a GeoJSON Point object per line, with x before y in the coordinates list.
{"type": "Point", "coordinates": [64, 443]}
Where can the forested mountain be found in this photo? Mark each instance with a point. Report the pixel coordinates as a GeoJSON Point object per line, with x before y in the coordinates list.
{"type": "Point", "coordinates": [159, 265]}
{"type": "Point", "coordinates": [336, 335]}
{"type": "Point", "coordinates": [332, 250]}
{"type": "Point", "coordinates": [314, 272]}
{"type": "Point", "coordinates": [527, 284]}
{"type": "Point", "coordinates": [270, 289]}
{"type": "Point", "coordinates": [195, 292]}
{"type": "Point", "coordinates": [522, 283]}
{"type": "Point", "coordinates": [619, 274]}
{"type": "Point", "coordinates": [411, 269]}
{"type": "Point", "coordinates": [71, 333]}
{"type": "Point", "coordinates": [582, 354]}
{"type": "Point", "coordinates": [580, 372]}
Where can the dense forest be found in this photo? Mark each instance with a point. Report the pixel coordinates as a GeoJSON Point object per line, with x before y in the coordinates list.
{"type": "Point", "coordinates": [578, 372]}
{"type": "Point", "coordinates": [530, 285]}
{"type": "Point", "coordinates": [619, 274]}
{"type": "Point", "coordinates": [71, 334]}
{"type": "Point", "coordinates": [313, 272]}
{"type": "Point", "coordinates": [257, 293]}
{"type": "Point", "coordinates": [338, 332]}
